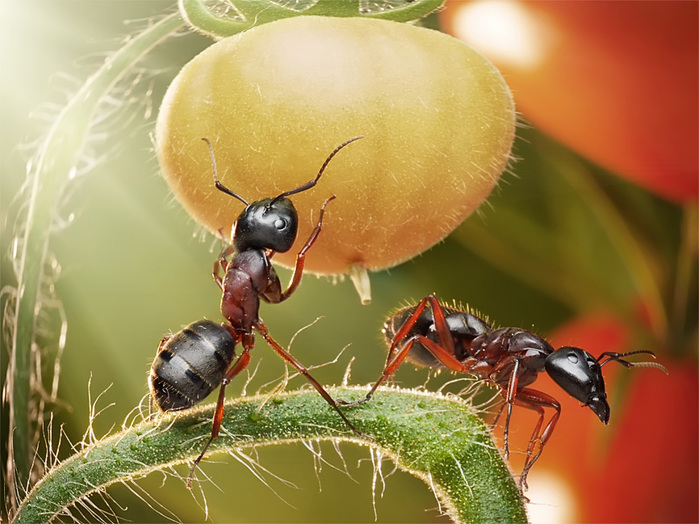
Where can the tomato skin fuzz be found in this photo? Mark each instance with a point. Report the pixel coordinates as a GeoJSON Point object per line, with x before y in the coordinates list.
{"type": "Point", "coordinates": [437, 119]}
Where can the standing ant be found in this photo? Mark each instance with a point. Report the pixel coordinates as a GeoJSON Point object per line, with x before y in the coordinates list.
{"type": "Point", "coordinates": [192, 363]}
{"type": "Point", "coordinates": [508, 358]}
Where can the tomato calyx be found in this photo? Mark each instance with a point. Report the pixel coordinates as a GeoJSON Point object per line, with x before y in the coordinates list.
{"type": "Point", "coordinates": [246, 14]}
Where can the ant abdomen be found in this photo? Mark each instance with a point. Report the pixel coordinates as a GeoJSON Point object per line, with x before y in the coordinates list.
{"type": "Point", "coordinates": [463, 325]}
{"type": "Point", "coordinates": [190, 364]}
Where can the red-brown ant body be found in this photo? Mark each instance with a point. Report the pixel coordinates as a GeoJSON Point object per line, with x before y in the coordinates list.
{"type": "Point", "coordinates": [192, 363]}
{"type": "Point", "coordinates": [509, 358]}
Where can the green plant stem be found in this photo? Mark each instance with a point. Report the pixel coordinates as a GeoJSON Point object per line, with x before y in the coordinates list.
{"type": "Point", "coordinates": [439, 439]}
{"type": "Point", "coordinates": [55, 162]}
{"type": "Point", "coordinates": [257, 12]}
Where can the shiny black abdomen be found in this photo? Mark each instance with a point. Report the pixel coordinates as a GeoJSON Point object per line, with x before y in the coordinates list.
{"type": "Point", "coordinates": [190, 365]}
{"type": "Point", "coordinates": [464, 327]}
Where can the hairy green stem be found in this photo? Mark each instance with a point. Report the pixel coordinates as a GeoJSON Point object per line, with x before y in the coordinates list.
{"type": "Point", "coordinates": [256, 12]}
{"type": "Point", "coordinates": [439, 439]}
{"type": "Point", "coordinates": [53, 168]}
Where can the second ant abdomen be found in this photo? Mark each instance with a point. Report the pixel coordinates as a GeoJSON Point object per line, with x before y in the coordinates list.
{"type": "Point", "coordinates": [464, 327]}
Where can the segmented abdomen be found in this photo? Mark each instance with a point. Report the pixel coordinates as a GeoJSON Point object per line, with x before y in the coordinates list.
{"type": "Point", "coordinates": [184, 372]}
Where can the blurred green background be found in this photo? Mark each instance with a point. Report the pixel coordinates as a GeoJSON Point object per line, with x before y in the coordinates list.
{"type": "Point", "coordinates": [135, 267]}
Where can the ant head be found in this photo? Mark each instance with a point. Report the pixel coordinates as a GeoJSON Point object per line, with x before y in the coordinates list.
{"type": "Point", "coordinates": [271, 223]}
{"type": "Point", "coordinates": [580, 375]}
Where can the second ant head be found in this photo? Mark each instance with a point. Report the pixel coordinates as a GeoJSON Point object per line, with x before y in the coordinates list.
{"type": "Point", "coordinates": [580, 374]}
{"type": "Point", "coordinates": [270, 223]}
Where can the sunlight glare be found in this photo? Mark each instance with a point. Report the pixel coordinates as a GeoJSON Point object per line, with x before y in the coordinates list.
{"type": "Point", "coordinates": [552, 500]}
{"type": "Point", "coordinates": [503, 30]}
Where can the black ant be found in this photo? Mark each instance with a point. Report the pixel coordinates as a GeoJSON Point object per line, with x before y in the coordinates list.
{"type": "Point", "coordinates": [192, 363]}
{"type": "Point", "coordinates": [509, 358]}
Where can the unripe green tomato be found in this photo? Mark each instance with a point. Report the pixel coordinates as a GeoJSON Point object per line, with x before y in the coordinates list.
{"type": "Point", "coordinates": [436, 117]}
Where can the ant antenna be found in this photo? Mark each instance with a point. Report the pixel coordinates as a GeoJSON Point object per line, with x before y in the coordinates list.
{"type": "Point", "coordinates": [310, 184]}
{"type": "Point", "coordinates": [218, 184]}
{"type": "Point", "coordinates": [616, 357]}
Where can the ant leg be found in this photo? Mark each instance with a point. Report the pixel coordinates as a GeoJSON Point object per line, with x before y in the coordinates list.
{"type": "Point", "coordinates": [262, 329]}
{"type": "Point", "coordinates": [385, 374]}
{"type": "Point", "coordinates": [444, 336]}
{"type": "Point", "coordinates": [442, 355]}
{"type": "Point", "coordinates": [537, 401]}
{"type": "Point", "coordinates": [510, 393]}
{"type": "Point", "coordinates": [236, 368]}
{"type": "Point", "coordinates": [405, 329]}
{"type": "Point", "coordinates": [440, 323]}
{"type": "Point", "coordinates": [301, 256]}
{"type": "Point", "coordinates": [391, 362]}
{"type": "Point", "coordinates": [442, 351]}
{"type": "Point", "coordinates": [437, 351]}
{"type": "Point", "coordinates": [221, 265]}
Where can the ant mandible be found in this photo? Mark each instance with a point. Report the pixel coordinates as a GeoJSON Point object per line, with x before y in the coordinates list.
{"type": "Point", "coordinates": [508, 358]}
{"type": "Point", "coordinates": [192, 363]}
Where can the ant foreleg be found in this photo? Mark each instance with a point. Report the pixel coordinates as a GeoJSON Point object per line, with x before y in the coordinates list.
{"type": "Point", "coordinates": [301, 256]}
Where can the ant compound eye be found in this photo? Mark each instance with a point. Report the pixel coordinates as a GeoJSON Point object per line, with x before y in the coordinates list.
{"type": "Point", "coordinates": [280, 223]}
{"type": "Point", "coordinates": [572, 357]}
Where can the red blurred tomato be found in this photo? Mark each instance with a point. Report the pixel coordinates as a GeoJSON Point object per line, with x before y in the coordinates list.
{"type": "Point", "coordinates": [616, 81]}
{"type": "Point", "coordinates": [643, 466]}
